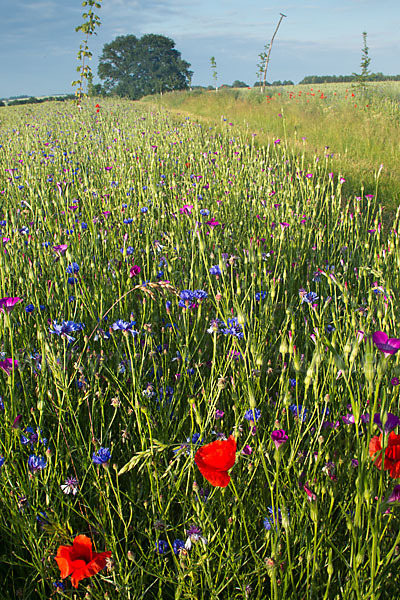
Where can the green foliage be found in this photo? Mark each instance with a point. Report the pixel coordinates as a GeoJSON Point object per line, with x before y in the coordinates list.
{"type": "Point", "coordinates": [239, 84]}
{"type": "Point", "coordinates": [214, 71]}
{"type": "Point", "coordinates": [261, 65]}
{"type": "Point", "coordinates": [134, 67]}
{"type": "Point", "coordinates": [87, 28]}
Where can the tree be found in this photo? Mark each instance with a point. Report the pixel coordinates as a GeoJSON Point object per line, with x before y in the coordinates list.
{"type": "Point", "coordinates": [365, 61]}
{"type": "Point", "coordinates": [135, 67]}
{"type": "Point", "coordinates": [214, 71]}
{"type": "Point", "coordinates": [239, 84]}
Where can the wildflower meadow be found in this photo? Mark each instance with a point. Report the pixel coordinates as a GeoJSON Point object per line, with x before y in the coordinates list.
{"type": "Point", "coordinates": [199, 366]}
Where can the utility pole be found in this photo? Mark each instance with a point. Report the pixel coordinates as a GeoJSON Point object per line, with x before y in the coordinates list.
{"type": "Point", "coordinates": [269, 51]}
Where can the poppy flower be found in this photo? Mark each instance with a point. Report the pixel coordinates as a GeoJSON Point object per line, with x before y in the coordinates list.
{"type": "Point", "coordinates": [215, 459]}
{"type": "Point", "coordinates": [391, 460]}
{"type": "Point", "coordinates": [79, 560]}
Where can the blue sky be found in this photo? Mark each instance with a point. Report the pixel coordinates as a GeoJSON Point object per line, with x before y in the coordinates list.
{"type": "Point", "coordinates": [38, 42]}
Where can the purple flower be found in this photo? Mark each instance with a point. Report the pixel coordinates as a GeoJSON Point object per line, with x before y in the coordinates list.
{"type": "Point", "coordinates": [17, 422]}
{"type": "Point", "coordinates": [36, 463]}
{"type": "Point", "coordinates": [395, 381]}
{"type": "Point", "coordinates": [7, 303]}
{"type": "Point", "coordinates": [391, 422]}
{"type": "Point", "coordinates": [60, 249]}
{"type": "Point", "coordinates": [395, 495]}
{"type": "Point", "coordinates": [135, 270]}
{"type": "Point", "coordinates": [247, 450]}
{"type": "Point", "coordinates": [348, 419]}
{"type": "Point", "coordinates": [219, 414]}
{"type": "Point", "coordinates": [102, 457]}
{"type": "Point", "coordinates": [279, 437]}
{"type": "Point", "coordinates": [384, 344]}
{"type": "Point", "coordinates": [8, 364]}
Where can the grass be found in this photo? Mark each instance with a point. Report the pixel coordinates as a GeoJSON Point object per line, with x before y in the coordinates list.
{"type": "Point", "coordinates": [164, 270]}
{"type": "Point", "coordinates": [358, 126]}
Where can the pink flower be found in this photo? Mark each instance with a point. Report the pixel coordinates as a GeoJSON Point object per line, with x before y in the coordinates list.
{"type": "Point", "coordinates": [135, 270]}
{"type": "Point", "coordinates": [8, 364]}
{"type": "Point", "coordinates": [384, 344]}
{"type": "Point", "coordinates": [60, 249]}
{"type": "Point", "coordinates": [186, 210]}
{"type": "Point", "coordinates": [279, 437]}
{"type": "Point", "coordinates": [213, 223]}
{"type": "Point", "coordinates": [7, 303]}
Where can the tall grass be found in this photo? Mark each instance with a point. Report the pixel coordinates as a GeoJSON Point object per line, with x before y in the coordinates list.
{"type": "Point", "coordinates": [306, 280]}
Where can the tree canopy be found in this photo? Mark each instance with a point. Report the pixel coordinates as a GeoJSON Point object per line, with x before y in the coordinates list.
{"type": "Point", "coordinates": [135, 67]}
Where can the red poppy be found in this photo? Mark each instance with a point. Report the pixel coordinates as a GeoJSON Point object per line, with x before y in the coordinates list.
{"type": "Point", "coordinates": [79, 560]}
{"type": "Point", "coordinates": [391, 461]}
{"type": "Point", "coordinates": [215, 459]}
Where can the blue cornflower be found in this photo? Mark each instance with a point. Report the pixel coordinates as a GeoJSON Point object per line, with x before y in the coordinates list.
{"type": "Point", "coordinates": [129, 250]}
{"type": "Point", "coordinates": [292, 382]}
{"type": "Point", "coordinates": [29, 308]}
{"type": "Point", "coordinates": [309, 297]}
{"type": "Point", "coordinates": [177, 546]}
{"type": "Point", "coordinates": [1, 403]}
{"type": "Point", "coordinates": [299, 411]}
{"type": "Point", "coordinates": [260, 296]}
{"type": "Point", "coordinates": [36, 463]}
{"type": "Point", "coordinates": [161, 547]}
{"type": "Point", "coordinates": [144, 210]}
{"type": "Point", "coordinates": [330, 328]}
{"type": "Point", "coordinates": [215, 270]}
{"type": "Point", "coordinates": [204, 212]}
{"type": "Point", "coordinates": [234, 328]}
{"type": "Point", "coordinates": [72, 280]}
{"type": "Point", "coordinates": [59, 585]}
{"type": "Point", "coordinates": [272, 519]}
{"type": "Point", "coordinates": [168, 305]}
{"type": "Point", "coordinates": [128, 221]}
{"type": "Point", "coordinates": [84, 226]}
{"type": "Point", "coordinates": [199, 294]}
{"type": "Point", "coordinates": [121, 325]}
{"type": "Point", "coordinates": [73, 268]}
{"type": "Point", "coordinates": [186, 295]}
{"type": "Point", "coordinates": [102, 457]}
{"type": "Point", "coordinates": [65, 328]}
{"type": "Point", "coordinates": [3, 460]}
{"type": "Point", "coordinates": [253, 414]}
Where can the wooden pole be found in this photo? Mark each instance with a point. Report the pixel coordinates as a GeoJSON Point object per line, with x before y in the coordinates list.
{"type": "Point", "coordinates": [269, 52]}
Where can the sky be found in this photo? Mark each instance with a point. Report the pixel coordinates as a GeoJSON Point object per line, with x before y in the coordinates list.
{"type": "Point", "coordinates": [39, 44]}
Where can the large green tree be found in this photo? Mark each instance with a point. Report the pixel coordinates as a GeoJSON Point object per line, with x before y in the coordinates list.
{"type": "Point", "coordinates": [134, 67]}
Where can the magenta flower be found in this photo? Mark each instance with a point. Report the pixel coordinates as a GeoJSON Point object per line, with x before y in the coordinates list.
{"type": "Point", "coordinates": [391, 422]}
{"type": "Point", "coordinates": [384, 344]}
{"type": "Point", "coordinates": [187, 209]}
{"type": "Point", "coordinates": [213, 223]}
{"type": "Point", "coordinates": [7, 365]}
{"type": "Point", "coordinates": [395, 495]}
{"type": "Point", "coordinates": [60, 249]}
{"type": "Point", "coordinates": [135, 270]}
{"type": "Point", "coordinates": [7, 304]}
{"type": "Point", "coordinates": [247, 450]}
{"type": "Point", "coordinates": [279, 437]}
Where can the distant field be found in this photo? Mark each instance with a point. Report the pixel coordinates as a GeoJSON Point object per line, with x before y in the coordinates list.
{"type": "Point", "coordinates": [358, 127]}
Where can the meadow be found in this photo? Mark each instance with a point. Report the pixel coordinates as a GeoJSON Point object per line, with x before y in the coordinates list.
{"type": "Point", "coordinates": [199, 369]}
